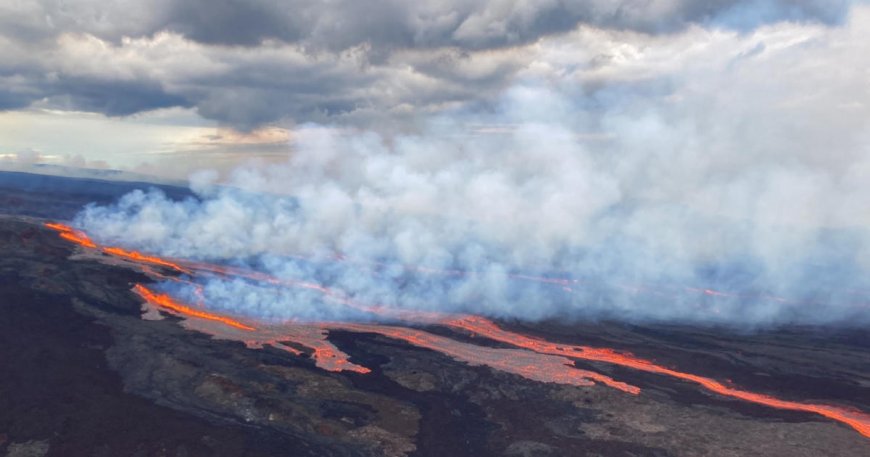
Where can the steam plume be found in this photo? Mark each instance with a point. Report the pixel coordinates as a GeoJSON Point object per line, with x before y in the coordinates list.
{"type": "Point", "coordinates": [706, 195]}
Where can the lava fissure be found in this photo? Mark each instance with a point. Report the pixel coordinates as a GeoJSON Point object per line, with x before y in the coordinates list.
{"type": "Point", "coordinates": [484, 327]}
{"type": "Point", "coordinates": [80, 238]}
{"type": "Point", "coordinates": [167, 302]}
{"type": "Point", "coordinates": [534, 358]}
{"type": "Point", "coordinates": [528, 364]}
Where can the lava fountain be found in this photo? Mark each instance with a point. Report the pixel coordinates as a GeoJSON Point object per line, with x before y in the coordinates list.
{"type": "Point", "coordinates": [530, 357]}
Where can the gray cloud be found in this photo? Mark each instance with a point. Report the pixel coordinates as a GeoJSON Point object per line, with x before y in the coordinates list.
{"type": "Point", "coordinates": [112, 97]}
{"type": "Point", "coordinates": [391, 24]}
{"type": "Point", "coordinates": [253, 62]}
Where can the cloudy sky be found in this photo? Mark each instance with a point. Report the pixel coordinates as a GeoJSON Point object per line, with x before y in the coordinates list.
{"type": "Point", "coordinates": [719, 143]}
{"type": "Point", "coordinates": [170, 86]}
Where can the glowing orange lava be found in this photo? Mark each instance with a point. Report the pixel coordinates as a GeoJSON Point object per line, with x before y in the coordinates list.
{"type": "Point", "coordinates": [530, 365]}
{"type": "Point", "coordinates": [328, 357]}
{"type": "Point", "coordinates": [167, 302]}
{"type": "Point", "coordinates": [137, 256]}
{"type": "Point", "coordinates": [535, 359]}
{"type": "Point", "coordinates": [484, 327]}
{"type": "Point", "coordinates": [312, 336]}
{"type": "Point", "coordinates": [308, 335]}
{"type": "Point", "coordinates": [56, 226]}
{"type": "Point", "coordinates": [68, 233]}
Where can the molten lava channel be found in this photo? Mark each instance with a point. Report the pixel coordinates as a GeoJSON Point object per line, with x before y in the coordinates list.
{"type": "Point", "coordinates": [486, 328]}
{"type": "Point", "coordinates": [167, 302]}
{"type": "Point", "coordinates": [528, 364]}
{"type": "Point", "coordinates": [68, 233]}
{"type": "Point", "coordinates": [533, 358]}
{"type": "Point", "coordinates": [80, 238]}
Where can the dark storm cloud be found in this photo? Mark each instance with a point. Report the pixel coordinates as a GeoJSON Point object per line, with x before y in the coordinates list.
{"type": "Point", "coordinates": [253, 94]}
{"type": "Point", "coordinates": [11, 100]}
{"type": "Point", "coordinates": [346, 50]}
{"type": "Point", "coordinates": [115, 98]}
{"type": "Point", "coordinates": [390, 24]}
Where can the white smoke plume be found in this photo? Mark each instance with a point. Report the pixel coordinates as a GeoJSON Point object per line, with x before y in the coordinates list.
{"type": "Point", "coordinates": [740, 168]}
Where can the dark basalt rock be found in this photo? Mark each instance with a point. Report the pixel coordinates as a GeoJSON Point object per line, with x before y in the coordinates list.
{"type": "Point", "coordinates": [83, 375]}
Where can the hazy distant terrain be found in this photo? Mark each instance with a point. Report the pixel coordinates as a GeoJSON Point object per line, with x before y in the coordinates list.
{"type": "Point", "coordinates": [60, 197]}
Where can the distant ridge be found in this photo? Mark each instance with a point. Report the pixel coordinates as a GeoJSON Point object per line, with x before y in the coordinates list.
{"type": "Point", "coordinates": [48, 195]}
{"type": "Point", "coordinates": [88, 173]}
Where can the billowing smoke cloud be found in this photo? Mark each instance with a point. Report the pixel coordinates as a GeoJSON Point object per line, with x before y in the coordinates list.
{"type": "Point", "coordinates": [726, 185]}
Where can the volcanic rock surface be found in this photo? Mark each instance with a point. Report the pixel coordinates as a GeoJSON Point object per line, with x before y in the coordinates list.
{"type": "Point", "coordinates": [85, 375]}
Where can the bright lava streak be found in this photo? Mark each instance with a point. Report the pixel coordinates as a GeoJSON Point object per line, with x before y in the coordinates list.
{"type": "Point", "coordinates": [167, 302]}
{"type": "Point", "coordinates": [550, 362]}
{"type": "Point", "coordinates": [68, 233]}
{"type": "Point", "coordinates": [139, 257]}
{"type": "Point", "coordinates": [484, 327]}
{"type": "Point", "coordinates": [528, 364]}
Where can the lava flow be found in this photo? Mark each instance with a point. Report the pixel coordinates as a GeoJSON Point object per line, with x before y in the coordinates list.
{"type": "Point", "coordinates": [167, 302]}
{"type": "Point", "coordinates": [68, 233]}
{"type": "Point", "coordinates": [531, 365]}
{"type": "Point", "coordinates": [139, 257]}
{"type": "Point", "coordinates": [533, 358]}
{"type": "Point", "coordinates": [486, 328]}
{"type": "Point", "coordinates": [311, 336]}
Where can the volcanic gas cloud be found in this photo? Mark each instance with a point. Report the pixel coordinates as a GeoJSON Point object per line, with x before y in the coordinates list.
{"type": "Point", "coordinates": [523, 355]}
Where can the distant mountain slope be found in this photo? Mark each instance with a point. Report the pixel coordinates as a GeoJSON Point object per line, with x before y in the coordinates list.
{"type": "Point", "coordinates": [62, 197]}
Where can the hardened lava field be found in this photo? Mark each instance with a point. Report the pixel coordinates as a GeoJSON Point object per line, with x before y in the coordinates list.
{"type": "Point", "coordinates": [100, 362]}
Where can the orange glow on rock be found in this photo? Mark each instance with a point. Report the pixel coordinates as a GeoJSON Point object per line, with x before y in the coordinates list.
{"type": "Point", "coordinates": [137, 256]}
{"type": "Point", "coordinates": [484, 327]}
{"type": "Point", "coordinates": [328, 358]}
{"type": "Point", "coordinates": [58, 227]}
{"type": "Point", "coordinates": [167, 302]}
{"type": "Point", "coordinates": [535, 358]}
{"type": "Point", "coordinates": [528, 364]}
{"type": "Point", "coordinates": [68, 233]}
{"type": "Point", "coordinates": [76, 238]}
